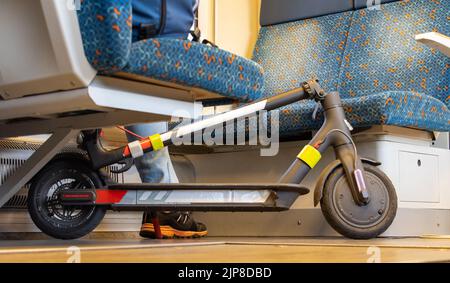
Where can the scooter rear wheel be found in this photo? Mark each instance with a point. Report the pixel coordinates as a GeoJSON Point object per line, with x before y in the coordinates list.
{"type": "Point", "coordinates": [355, 221]}
{"type": "Point", "coordinates": [46, 211]}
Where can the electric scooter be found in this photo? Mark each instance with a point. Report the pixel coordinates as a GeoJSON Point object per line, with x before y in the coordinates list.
{"type": "Point", "coordinates": [357, 199]}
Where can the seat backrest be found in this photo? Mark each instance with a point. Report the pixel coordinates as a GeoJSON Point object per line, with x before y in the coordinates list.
{"type": "Point", "coordinates": [355, 50]}
{"type": "Point", "coordinates": [106, 28]}
{"type": "Point", "coordinates": [296, 51]}
{"type": "Point", "coordinates": [382, 54]}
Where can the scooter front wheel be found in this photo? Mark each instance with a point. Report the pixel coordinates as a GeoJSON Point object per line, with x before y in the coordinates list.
{"type": "Point", "coordinates": [355, 221]}
{"type": "Point", "coordinates": [46, 211]}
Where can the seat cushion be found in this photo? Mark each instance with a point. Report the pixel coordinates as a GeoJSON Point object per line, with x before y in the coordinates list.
{"type": "Point", "coordinates": [396, 108]}
{"type": "Point", "coordinates": [197, 65]}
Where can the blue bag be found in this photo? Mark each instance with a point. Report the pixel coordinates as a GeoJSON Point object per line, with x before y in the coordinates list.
{"type": "Point", "coordinates": [163, 18]}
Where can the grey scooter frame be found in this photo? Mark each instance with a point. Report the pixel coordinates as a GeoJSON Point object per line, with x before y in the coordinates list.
{"type": "Point", "coordinates": [341, 189]}
{"type": "Point", "coordinates": [335, 132]}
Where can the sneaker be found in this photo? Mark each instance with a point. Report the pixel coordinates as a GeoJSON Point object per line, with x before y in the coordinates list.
{"type": "Point", "coordinates": [173, 225]}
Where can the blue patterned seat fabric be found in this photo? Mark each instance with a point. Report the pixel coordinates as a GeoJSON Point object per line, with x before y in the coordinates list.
{"type": "Point", "coordinates": [106, 28]}
{"type": "Point", "coordinates": [197, 65]}
{"type": "Point", "coordinates": [370, 56]}
{"type": "Point", "coordinates": [396, 108]}
{"type": "Point", "coordinates": [386, 77]}
{"type": "Point", "coordinates": [295, 52]}
{"type": "Point", "coordinates": [382, 56]}
{"type": "Point", "coordinates": [106, 31]}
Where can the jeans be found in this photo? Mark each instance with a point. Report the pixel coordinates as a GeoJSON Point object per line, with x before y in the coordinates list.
{"type": "Point", "coordinates": [153, 167]}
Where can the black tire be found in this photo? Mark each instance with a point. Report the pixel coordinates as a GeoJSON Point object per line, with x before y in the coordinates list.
{"type": "Point", "coordinates": [351, 220]}
{"type": "Point", "coordinates": [45, 211]}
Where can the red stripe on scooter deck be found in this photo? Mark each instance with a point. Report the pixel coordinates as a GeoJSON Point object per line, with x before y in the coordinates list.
{"type": "Point", "coordinates": [109, 196]}
{"type": "Point", "coordinates": [214, 186]}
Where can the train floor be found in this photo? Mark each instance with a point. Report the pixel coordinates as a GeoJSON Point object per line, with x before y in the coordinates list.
{"type": "Point", "coordinates": [227, 250]}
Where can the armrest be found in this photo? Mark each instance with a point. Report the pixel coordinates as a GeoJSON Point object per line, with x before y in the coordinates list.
{"type": "Point", "coordinates": [435, 40]}
{"type": "Point", "coordinates": [106, 30]}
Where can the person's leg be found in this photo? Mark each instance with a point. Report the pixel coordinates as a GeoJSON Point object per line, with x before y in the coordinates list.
{"type": "Point", "coordinates": [156, 167]}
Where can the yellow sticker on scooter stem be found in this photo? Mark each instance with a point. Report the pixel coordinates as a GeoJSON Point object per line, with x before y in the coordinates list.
{"type": "Point", "coordinates": [157, 142]}
{"type": "Point", "coordinates": [310, 156]}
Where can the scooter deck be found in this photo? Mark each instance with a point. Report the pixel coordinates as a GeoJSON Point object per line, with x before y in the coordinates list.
{"type": "Point", "coordinates": [212, 186]}
{"type": "Point", "coordinates": [190, 197]}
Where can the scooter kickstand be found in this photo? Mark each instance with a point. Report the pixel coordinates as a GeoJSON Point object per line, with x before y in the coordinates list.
{"type": "Point", "coordinates": [156, 226]}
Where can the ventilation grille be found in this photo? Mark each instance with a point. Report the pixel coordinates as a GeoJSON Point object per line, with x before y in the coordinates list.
{"type": "Point", "coordinates": [8, 166]}
{"type": "Point", "coordinates": [14, 153]}
{"type": "Point", "coordinates": [17, 202]}
{"type": "Point", "coordinates": [15, 144]}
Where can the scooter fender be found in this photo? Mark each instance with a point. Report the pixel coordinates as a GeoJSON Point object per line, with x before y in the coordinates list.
{"type": "Point", "coordinates": [318, 192]}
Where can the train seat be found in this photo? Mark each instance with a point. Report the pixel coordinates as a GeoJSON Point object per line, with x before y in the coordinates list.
{"type": "Point", "coordinates": [107, 36]}
{"type": "Point", "coordinates": [370, 57]}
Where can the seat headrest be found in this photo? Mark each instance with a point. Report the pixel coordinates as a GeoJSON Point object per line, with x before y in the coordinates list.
{"type": "Point", "coordinates": [361, 4]}
{"type": "Point", "coordinates": [281, 11]}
